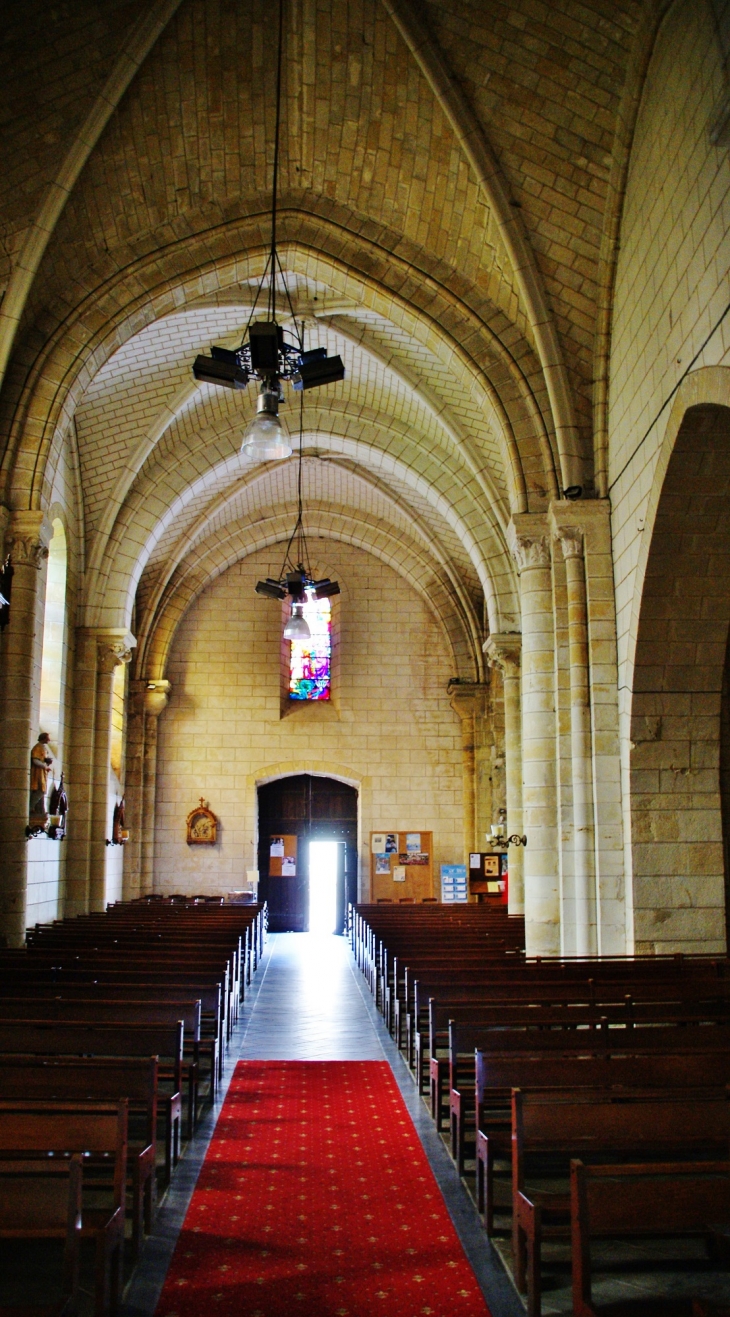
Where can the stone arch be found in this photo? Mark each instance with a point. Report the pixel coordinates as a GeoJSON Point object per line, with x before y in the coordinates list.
{"type": "Point", "coordinates": [680, 656]}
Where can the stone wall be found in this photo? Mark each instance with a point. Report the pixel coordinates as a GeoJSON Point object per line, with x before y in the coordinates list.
{"type": "Point", "coordinates": [389, 729]}
{"type": "Point", "coordinates": [671, 288]}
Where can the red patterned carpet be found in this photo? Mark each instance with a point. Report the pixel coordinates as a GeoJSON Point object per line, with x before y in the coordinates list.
{"type": "Point", "coordinates": [316, 1197]}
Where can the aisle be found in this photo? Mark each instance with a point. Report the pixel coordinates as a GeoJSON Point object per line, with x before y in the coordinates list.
{"type": "Point", "coordinates": [309, 1006]}
{"type": "Point", "coordinates": [309, 1003]}
{"type": "Point", "coordinates": [316, 1196]}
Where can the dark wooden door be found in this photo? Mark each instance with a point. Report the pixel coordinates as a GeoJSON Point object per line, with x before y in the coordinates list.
{"type": "Point", "coordinates": [312, 809]}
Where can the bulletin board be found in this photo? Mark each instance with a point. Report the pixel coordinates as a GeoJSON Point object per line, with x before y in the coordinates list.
{"type": "Point", "coordinates": [282, 856]}
{"type": "Point", "coordinates": [403, 868]}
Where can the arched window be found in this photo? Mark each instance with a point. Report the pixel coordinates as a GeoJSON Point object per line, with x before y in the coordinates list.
{"type": "Point", "coordinates": [310, 661]}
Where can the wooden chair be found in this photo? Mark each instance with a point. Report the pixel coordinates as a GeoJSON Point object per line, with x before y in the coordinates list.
{"type": "Point", "coordinates": [42, 1201]}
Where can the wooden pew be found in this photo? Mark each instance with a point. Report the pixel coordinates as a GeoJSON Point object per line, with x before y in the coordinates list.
{"type": "Point", "coordinates": [43, 1038]}
{"type": "Point", "coordinates": [560, 1125]}
{"type": "Point", "coordinates": [42, 1200]}
{"type": "Point", "coordinates": [613, 1024]}
{"type": "Point", "coordinates": [91, 1081]}
{"type": "Point", "coordinates": [643, 1201]}
{"type": "Point", "coordinates": [99, 1011]}
{"type": "Point", "coordinates": [99, 1134]}
{"type": "Point", "coordinates": [497, 1075]}
{"type": "Point", "coordinates": [160, 985]}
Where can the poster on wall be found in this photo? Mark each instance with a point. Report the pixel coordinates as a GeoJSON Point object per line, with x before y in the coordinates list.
{"type": "Point", "coordinates": [391, 843]}
{"type": "Point", "coordinates": [413, 857]}
{"type": "Point", "coordinates": [377, 844]}
{"type": "Point", "coordinates": [453, 883]}
{"type": "Point", "coordinates": [382, 864]}
{"type": "Point", "coordinates": [399, 873]}
{"type": "Point", "coordinates": [289, 866]}
{"type": "Point", "coordinates": [276, 850]}
{"type": "Point", "coordinates": [413, 841]}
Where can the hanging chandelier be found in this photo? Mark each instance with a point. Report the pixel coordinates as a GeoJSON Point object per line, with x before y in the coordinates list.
{"type": "Point", "coordinates": [265, 355]}
{"type": "Point", "coordinates": [295, 580]}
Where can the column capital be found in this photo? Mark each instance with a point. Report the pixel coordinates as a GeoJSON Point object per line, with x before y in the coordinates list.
{"type": "Point", "coordinates": [585, 517]}
{"type": "Point", "coordinates": [467, 697]}
{"type": "Point", "coordinates": [528, 537]}
{"type": "Point", "coordinates": [156, 696]}
{"type": "Point", "coordinates": [570, 539]}
{"type": "Point", "coordinates": [114, 645]}
{"type": "Point", "coordinates": [27, 538]}
{"type": "Point", "coordinates": [504, 651]}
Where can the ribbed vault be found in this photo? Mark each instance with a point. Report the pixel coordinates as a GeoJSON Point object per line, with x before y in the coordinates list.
{"type": "Point", "coordinates": [439, 228]}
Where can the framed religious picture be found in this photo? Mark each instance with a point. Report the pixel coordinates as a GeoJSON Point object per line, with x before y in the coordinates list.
{"type": "Point", "coordinates": [202, 826]}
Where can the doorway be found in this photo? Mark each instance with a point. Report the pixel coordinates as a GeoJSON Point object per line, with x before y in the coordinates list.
{"type": "Point", "coordinates": [323, 857]}
{"type": "Point", "coordinates": [296, 815]}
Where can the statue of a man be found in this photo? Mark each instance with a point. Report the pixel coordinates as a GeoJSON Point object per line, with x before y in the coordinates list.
{"type": "Point", "coordinates": [40, 764]}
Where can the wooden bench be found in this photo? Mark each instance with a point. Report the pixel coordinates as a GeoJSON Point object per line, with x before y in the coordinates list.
{"type": "Point", "coordinates": [616, 1027]}
{"type": "Point", "coordinates": [673, 1199]}
{"type": "Point", "coordinates": [497, 1075]}
{"type": "Point", "coordinates": [43, 1038]}
{"type": "Point", "coordinates": [99, 1011]}
{"type": "Point", "coordinates": [559, 1125]}
{"type": "Point", "coordinates": [99, 1134]}
{"type": "Point", "coordinates": [43, 1201]}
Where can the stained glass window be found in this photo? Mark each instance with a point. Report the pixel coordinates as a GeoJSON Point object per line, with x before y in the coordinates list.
{"type": "Point", "coordinates": [310, 660]}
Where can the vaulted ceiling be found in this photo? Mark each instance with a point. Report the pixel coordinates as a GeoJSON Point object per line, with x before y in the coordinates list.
{"type": "Point", "coordinates": [449, 178]}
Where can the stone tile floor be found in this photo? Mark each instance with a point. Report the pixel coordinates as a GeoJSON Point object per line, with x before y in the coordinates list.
{"type": "Point", "coordinates": [309, 1002]}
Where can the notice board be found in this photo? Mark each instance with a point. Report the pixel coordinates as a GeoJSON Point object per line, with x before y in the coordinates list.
{"type": "Point", "coordinates": [401, 865]}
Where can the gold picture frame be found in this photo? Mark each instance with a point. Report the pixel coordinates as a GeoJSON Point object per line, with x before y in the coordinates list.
{"type": "Point", "coordinates": [202, 826]}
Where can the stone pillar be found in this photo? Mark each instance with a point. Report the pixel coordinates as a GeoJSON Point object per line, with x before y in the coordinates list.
{"type": "Point", "coordinates": [27, 538]}
{"type": "Point", "coordinates": [580, 940]}
{"type": "Point", "coordinates": [530, 545]}
{"type": "Point", "coordinates": [98, 651]}
{"type": "Point", "coordinates": [469, 700]}
{"type": "Point", "coordinates": [112, 647]}
{"type": "Point", "coordinates": [503, 652]}
{"type": "Point", "coordinates": [157, 695]}
{"type": "Point", "coordinates": [583, 527]}
{"type": "Point", "coordinates": [134, 787]}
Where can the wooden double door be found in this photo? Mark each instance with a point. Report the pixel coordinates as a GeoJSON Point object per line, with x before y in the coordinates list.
{"type": "Point", "coordinates": [292, 812]}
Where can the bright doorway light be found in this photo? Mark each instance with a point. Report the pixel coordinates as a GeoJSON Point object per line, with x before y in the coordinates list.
{"type": "Point", "coordinates": [322, 886]}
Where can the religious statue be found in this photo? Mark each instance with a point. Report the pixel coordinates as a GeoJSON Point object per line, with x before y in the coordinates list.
{"type": "Point", "coordinates": [40, 766]}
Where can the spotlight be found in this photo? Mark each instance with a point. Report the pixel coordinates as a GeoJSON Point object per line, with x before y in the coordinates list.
{"type": "Point", "coordinates": [266, 341]}
{"type": "Point", "coordinates": [325, 589]}
{"type": "Point", "coordinates": [271, 589]}
{"type": "Point", "coordinates": [321, 370]}
{"type": "Point", "coordinates": [211, 370]}
{"type": "Point", "coordinates": [573, 492]}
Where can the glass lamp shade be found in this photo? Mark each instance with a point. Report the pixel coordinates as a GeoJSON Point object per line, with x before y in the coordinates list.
{"type": "Point", "coordinates": [265, 438]}
{"type": "Point", "coordinates": [297, 628]}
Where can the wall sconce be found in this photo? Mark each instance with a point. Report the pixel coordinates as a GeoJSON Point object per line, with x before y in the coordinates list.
{"type": "Point", "coordinates": [497, 835]}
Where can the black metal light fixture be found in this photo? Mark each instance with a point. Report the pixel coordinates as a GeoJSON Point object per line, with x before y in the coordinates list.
{"type": "Point", "coordinates": [265, 355]}
{"type": "Point", "coordinates": [295, 580]}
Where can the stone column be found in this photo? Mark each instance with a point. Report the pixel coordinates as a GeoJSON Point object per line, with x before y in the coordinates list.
{"type": "Point", "coordinates": [134, 787]}
{"type": "Point", "coordinates": [98, 651]}
{"type": "Point", "coordinates": [503, 652]}
{"type": "Point", "coordinates": [156, 699]}
{"type": "Point", "coordinates": [583, 528]}
{"type": "Point", "coordinates": [581, 939]}
{"type": "Point", "coordinates": [27, 539]}
{"type": "Point", "coordinates": [113, 646]}
{"type": "Point", "coordinates": [468, 700]}
{"type": "Point", "coordinates": [530, 545]}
